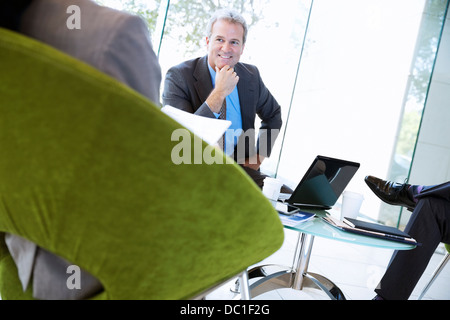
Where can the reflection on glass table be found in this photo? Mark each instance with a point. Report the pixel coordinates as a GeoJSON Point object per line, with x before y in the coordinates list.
{"type": "Point", "coordinates": [271, 277]}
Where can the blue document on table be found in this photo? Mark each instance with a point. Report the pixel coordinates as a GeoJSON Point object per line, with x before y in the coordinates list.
{"type": "Point", "coordinates": [296, 218]}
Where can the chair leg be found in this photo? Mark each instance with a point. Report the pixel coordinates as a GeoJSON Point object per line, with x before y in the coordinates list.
{"type": "Point", "coordinates": [244, 286]}
{"type": "Point", "coordinates": [435, 274]}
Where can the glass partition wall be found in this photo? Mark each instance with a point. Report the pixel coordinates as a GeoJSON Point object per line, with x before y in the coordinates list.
{"type": "Point", "coordinates": [351, 76]}
{"type": "Point", "coordinates": [360, 92]}
{"type": "Point", "coordinates": [414, 101]}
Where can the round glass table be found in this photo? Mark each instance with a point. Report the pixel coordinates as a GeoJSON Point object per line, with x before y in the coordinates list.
{"type": "Point", "coordinates": [271, 277]}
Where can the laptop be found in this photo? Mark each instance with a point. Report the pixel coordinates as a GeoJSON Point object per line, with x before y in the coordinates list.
{"type": "Point", "coordinates": [322, 184]}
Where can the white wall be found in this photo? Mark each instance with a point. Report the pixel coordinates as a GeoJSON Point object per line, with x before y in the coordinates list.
{"type": "Point", "coordinates": [431, 164]}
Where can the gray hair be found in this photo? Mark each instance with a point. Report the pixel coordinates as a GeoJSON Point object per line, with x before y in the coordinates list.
{"type": "Point", "coordinates": [230, 16]}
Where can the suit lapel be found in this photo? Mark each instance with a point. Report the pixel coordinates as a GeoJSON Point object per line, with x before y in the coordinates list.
{"type": "Point", "coordinates": [203, 84]}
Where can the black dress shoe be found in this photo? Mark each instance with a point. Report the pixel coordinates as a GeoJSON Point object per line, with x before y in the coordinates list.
{"type": "Point", "coordinates": [391, 192]}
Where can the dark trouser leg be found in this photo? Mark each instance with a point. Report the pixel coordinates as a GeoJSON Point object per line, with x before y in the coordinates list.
{"type": "Point", "coordinates": [429, 225]}
{"type": "Point", "coordinates": [441, 190]}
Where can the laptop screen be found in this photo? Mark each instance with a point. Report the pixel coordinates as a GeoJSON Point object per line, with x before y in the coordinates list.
{"type": "Point", "coordinates": [324, 182]}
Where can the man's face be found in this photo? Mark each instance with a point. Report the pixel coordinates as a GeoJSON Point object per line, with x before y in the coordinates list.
{"type": "Point", "coordinates": [226, 44]}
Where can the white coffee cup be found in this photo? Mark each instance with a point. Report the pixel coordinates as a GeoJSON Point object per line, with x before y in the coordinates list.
{"type": "Point", "coordinates": [271, 188]}
{"type": "Point", "coordinates": [351, 203]}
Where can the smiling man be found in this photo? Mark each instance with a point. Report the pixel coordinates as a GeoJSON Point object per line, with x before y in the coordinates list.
{"type": "Point", "coordinates": [219, 85]}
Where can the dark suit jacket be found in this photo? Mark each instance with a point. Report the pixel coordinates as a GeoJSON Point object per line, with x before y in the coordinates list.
{"type": "Point", "coordinates": [188, 85]}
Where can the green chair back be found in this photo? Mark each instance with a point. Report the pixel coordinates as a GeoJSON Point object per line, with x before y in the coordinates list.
{"type": "Point", "coordinates": [86, 173]}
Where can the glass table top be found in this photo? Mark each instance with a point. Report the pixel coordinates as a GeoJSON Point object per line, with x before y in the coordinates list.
{"type": "Point", "coordinates": [318, 227]}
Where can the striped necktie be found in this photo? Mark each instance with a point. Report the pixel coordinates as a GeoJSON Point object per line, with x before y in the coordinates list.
{"type": "Point", "coordinates": [223, 116]}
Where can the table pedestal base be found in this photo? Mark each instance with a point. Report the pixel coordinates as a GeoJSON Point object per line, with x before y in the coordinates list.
{"type": "Point", "coordinates": [274, 277]}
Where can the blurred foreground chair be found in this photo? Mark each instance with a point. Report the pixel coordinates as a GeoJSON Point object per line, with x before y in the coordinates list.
{"type": "Point", "coordinates": [437, 271]}
{"type": "Point", "coordinates": [86, 172]}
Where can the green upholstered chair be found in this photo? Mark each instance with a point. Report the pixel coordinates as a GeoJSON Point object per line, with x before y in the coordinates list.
{"type": "Point", "coordinates": [86, 172]}
{"type": "Point", "coordinates": [437, 271]}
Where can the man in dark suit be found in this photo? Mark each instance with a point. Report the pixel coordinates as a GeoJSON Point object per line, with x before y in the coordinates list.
{"type": "Point", "coordinates": [203, 85]}
{"type": "Point", "coordinates": [429, 225]}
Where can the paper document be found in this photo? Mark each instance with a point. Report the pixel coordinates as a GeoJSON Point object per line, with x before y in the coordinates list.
{"type": "Point", "coordinates": [208, 129]}
{"type": "Point", "coordinates": [377, 234]}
